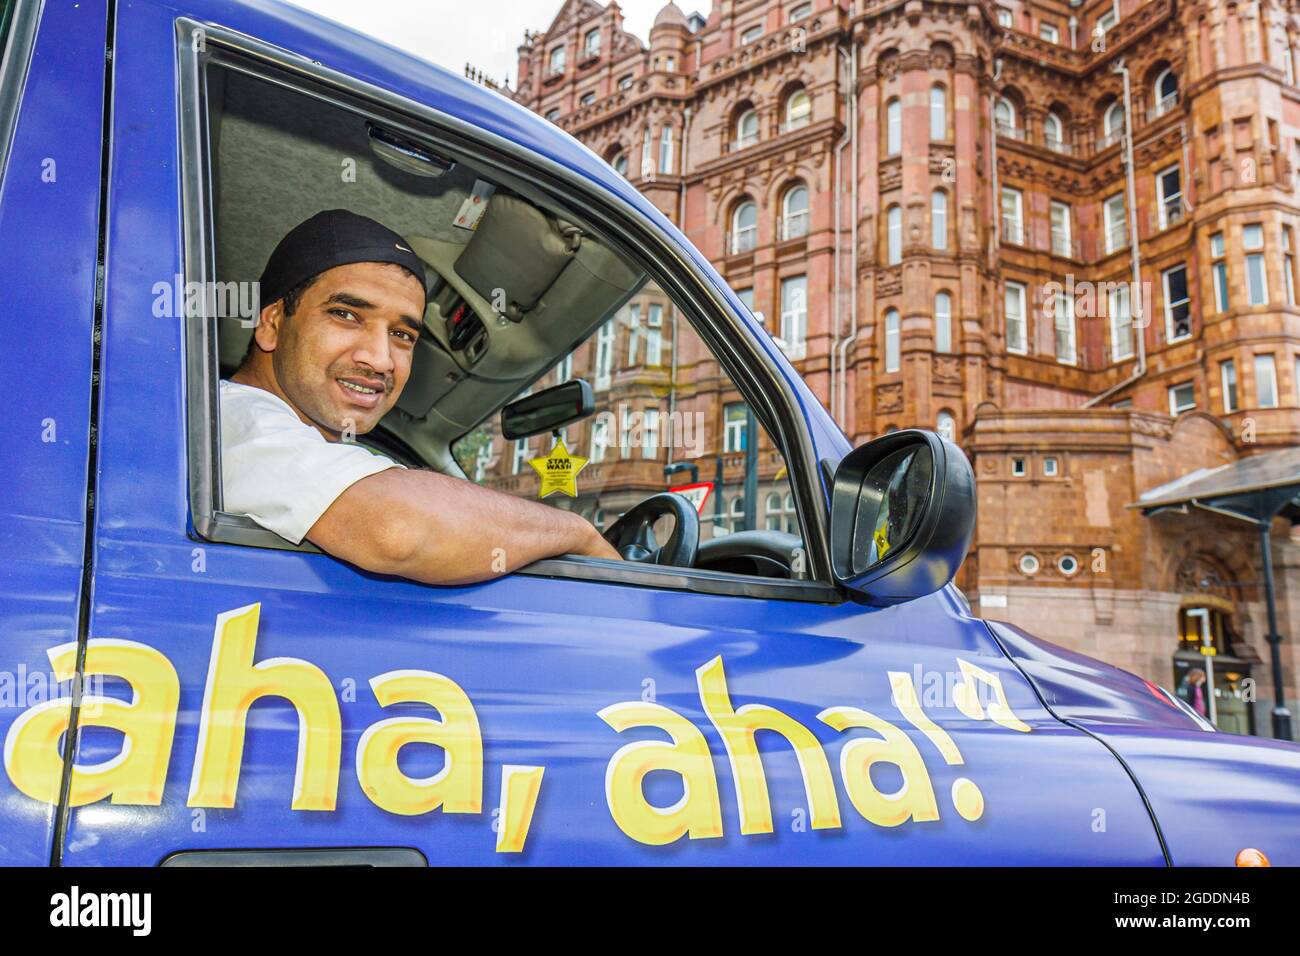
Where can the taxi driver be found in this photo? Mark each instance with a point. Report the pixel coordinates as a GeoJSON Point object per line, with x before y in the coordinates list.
{"type": "Point", "coordinates": [330, 355]}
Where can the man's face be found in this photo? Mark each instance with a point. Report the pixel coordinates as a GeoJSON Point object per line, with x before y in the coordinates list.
{"type": "Point", "coordinates": [345, 354]}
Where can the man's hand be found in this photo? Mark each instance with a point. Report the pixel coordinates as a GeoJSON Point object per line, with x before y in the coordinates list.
{"type": "Point", "coordinates": [441, 530]}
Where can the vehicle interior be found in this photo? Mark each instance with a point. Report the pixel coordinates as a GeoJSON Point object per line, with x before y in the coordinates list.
{"type": "Point", "coordinates": [507, 299]}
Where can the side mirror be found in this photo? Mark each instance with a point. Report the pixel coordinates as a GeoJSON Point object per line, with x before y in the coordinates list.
{"type": "Point", "coordinates": [548, 409]}
{"type": "Point", "coordinates": [902, 516]}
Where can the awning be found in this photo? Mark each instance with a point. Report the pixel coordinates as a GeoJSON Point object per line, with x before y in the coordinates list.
{"type": "Point", "coordinates": [1252, 489]}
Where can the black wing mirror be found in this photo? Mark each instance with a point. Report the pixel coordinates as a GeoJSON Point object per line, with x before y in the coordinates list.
{"type": "Point", "coordinates": [902, 516]}
{"type": "Point", "coordinates": [548, 409]}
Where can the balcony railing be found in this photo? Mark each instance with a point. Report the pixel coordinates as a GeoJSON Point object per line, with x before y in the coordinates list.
{"type": "Point", "coordinates": [1063, 245]}
{"type": "Point", "coordinates": [1013, 231]}
{"type": "Point", "coordinates": [1009, 130]}
{"type": "Point", "coordinates": [791, 125]}
{"type": "Point", "coordinates": [742, 142]}
{"type": "Point", "coordinates": [1116, 237]}
{"type": "Point", "coordinates": [1171, 212]}
{"type": "Point", "coordinates": [1162, 106]}
{"type": "Point", "coordinates": [743, 240]}
{"type": "Point", "coordinates": [793, 226]}
{"type": "Point", "coordinates": [1109, 139]}
{"type": "Point", "coordinates": [1060, 146]}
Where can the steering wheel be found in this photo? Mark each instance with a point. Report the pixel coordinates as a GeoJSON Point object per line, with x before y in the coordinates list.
{"type": "Point", "coordinates": [633, 534]}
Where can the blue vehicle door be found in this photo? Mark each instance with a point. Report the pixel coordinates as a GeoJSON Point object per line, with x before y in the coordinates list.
{"type": "Point", "coordinates": [262, 699]}
{"type": "Point", "coordinates": [51, 101]}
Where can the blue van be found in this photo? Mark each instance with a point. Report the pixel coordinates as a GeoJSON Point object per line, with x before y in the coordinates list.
{"type": "Point", "coordinates": [179, 686]}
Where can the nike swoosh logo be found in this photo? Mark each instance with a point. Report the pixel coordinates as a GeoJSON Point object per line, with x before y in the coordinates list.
{"type": "Point", "coordinates": [403, 248]}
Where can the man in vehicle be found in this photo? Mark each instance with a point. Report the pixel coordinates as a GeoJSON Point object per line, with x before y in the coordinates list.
{"type": "Point", "coordinates": [329, 357]}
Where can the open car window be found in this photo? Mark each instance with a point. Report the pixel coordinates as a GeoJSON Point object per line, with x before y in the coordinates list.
{"type": "Point", "coordinates": [520, 296]}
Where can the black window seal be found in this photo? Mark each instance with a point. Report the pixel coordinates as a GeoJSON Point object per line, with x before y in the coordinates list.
{"type": "Point", "coordinates": [755, 374]}
{"type": "Point", "coordinates": [15, 60]}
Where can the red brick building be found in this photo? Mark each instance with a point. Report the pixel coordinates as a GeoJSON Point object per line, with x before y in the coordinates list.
{"type": "Point", "coordinates": [1062, 233]}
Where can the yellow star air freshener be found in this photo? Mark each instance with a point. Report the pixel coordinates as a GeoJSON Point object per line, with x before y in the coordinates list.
{"type": "Point", "coordinates": [558, 471]}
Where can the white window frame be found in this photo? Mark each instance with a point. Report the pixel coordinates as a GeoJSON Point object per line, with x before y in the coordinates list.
{"type": "Point", "coordinates": [1169, 304]}
{"type": "Point", "coordinates": [1015, 291]}
{"type": "Point", "coordinates": [588, 47]}
{"type": "Point", "coordinates": [1219, 273]}
{"type": "Point", "coordinates": [1163, 199]}
{"type": "Point", "coordinates": [746, 119]}
{"type": "Point", "coordinates": [893, 341]}
{"type": "Point", "coordinates": [1266, 371]}
{"type": "Point", "coordinates": [939, 219]}
{"type": "Point", "coordinates": [654, 338]}
{"type": "Point", "coordinates": [943, 322]}
{"type": "Point", "coordinates": [555, 61]}
{"type": "Point", "coordinates": [938, 114]}
{"type": "Point", "coordinates": [1045, 28]}
{"type": "Point", "coordinates": [650, 432]}
{"type": "Point", "coordinates": [1005, 126]}
{"type": "Point", "coordinates": [1062, 236]}
{"type": "Point", "coordinates": [599, 438]}
{"type": "Point", "coordinates": [1120, 307]}
{"type": "Point", "coordinates": [1256, 267]}
{"type": "Point", "coordinates": [1054, 133]}
{"type": "Point", "coordinates": [1228, 382]}
{"type": "Point", "coordinates": [733, 428]}
{"type": "Point", "coordinates": [604, 354]}
{"type": "Point", "coordinates": [1065, 340]}
{"type": "Point", "coordinates": [794, 315]}
{"type": "Point", "coordinates": [794, 222]}
{"type": "Point", "coordinates": [798, 116]}
{"type": "Point", "coordinates": [633, 332]}
{"type": "Point", "coordinates": [750, 34]}
{"type": "Point", "coordinates": [894, 127]}
{"type": "Point", "coordinates": [1013, 225]}
{"type": "Point", "coordinates": [894, 235]}
{"type": "Point", "coordinates": [744, 238]}
{"type": "Point", "coordinates": [666, 150]}
{"type": "Point", "coordinates": [520, 458]}
{"type": "Point", "coordinates": [1115, 225]}
{"type": "Point", "coordinates": [1162, 104]}
{"type": "Point", "coordinates": [1175, 407]}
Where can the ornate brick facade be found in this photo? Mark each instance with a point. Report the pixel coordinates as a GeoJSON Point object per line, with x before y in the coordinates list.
{"type": "Point", "coordinates": [974, 174]}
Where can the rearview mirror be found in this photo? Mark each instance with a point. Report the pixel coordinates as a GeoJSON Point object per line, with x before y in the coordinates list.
{"type": "Point", "coordinates": [902, 516]}
{"type": "Point", "coordinates": [548, 409]}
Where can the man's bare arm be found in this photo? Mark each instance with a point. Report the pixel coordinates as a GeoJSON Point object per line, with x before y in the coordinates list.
{"type": "Point", "coordinates": [441, 530]}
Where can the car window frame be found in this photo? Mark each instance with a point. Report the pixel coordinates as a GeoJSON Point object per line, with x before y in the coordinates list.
{"type": "Point", "coordinates": [754, 373]}
{"type": "Point", "coordinates": [15, 60]}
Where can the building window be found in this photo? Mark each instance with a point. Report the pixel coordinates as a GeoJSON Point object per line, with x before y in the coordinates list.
{"type": "Point", "coordinates": [893, 127]}
{"type": "Point", "coordinates": [1288, 265]}
{"type": "Point", "coordinates": [747, 129]}
{"type": "Point", "coordinates": [734, 419]}
{"type": "Point", "coordinates": [746, 297]}
{"type": "Point", "coordinates": [1121, 322]}
{"type": "Point", "coordinates": [751, 34]}
{"type": "Point", "coordinates": [798, 110]}
{"type": "Point", "coordinates": [945, 426]}
{"type": "Point", "coordinates": [1165, 93]}
{"type": "Point", "coordinates": [654, 334]}
{"type": "Point", "coordinates": [647, 154]}
{"type": "Point", "coordinates": [1265, 381]}
{"type": "Point", "coordinates": [943, 322]}
{"type": "Point", "coordinates": [1049, 32]}
{"type": "Point", "coordinates": [1054, 133]}
{"type": "Point", "coordinates": [1067, 564]}
{"type": "Point", "coordinates": [1228, 376]}
{"type": "Point", "coordinates": [1004, 116]}
{"type": "Point", "coordinates": [564, 369]}
{"type": "Point", "coordinates": [1182, 398]}
{"type": "Point", "coordinates": [1062, 238]}
{"type": "Point", "coordinates": [620, 164]}
{"type": "Point", "coordinates": [801, 11]}
{"type": "Point", "coordinates": [1049, 467]}
{"type": "Point", "coordinates": [1115, 222]}
{"type": "Point", "coordinates": [794, 315]}
{"type": "Point", "coordinates": [670, 63]}
{"type": "Point", "coordinates": [520, 456]}
{"type": "Point", "coordinates": [1012, 216]}
{"type": "Point", "coordinates": [1004, 18]}
{"type": "Point", "coordinates": [894, 235]}
{"type": "Point", "coordinates": [553, 115]}
{"type": "Point", "coordinates": [1106, 21]}
{"type": "Point", "coordinates": [892, 343]}
{"type": "Point", "coordinates": [1252, 241]}
{"type": "Point", "coordinates": [1063, 323]}
{"type": "Point", "coordinates": [650, 433]}
{"type": "Point", "coordinates": [625, 82]}
{"type": "Point", "coordinates": [1169, 192]}
{"type": "Point", "coordinates": [1178, 307]}
{"type": "Point", "coordinates": [938, 114]}
{"type": "Point", "coordinates": [1017, 468]}
{"type": "Point", "coordinates": [794, 212]}
{"type": "Point", "coordinates": [1015, 313]}
{"type": "Point", "coordinates": [737, 514]}
{"type": "Point", "coordinates": [599, 438]}
{"type": "Point", "coordinates": [1028, 565]}
{"type": "Point", "coordinates": [939, 219]}
{"type": "Point", "coordinates": [744, 227]}
{"type": "Point", "coordinates": [604, 354]}
{"type": "Point", "coordinates": [1220, 271]}
{"type": "Point", "coordinates": [633, 332]}
{"type": "Point", "coordinates": [781, 514]}
{"type": "Point", "coordinates": [591, 43]}
{"type": "Point", "coordinates": [557, 61]}
{"type": "Point", "coordinates": [666, 150]}
{"type": "Point", "coordinates": [587, 99]}
{"type": "Point", "coordinates": [1112, 125]}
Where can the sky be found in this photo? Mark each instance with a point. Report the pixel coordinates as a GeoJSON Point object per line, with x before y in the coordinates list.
{"type": "Point", "coordinates": [486, 33]}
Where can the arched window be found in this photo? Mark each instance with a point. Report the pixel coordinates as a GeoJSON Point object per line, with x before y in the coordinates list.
{"type": "Point", "coordinates": [943, 322]}
{"type": "Point", "coordinates": [1112, 124]}
{"type": "Point", "coordinates": [894, 235]}
{"type": "Point", "coordinates": [737, 513]}
{"type": "Point", "coordinates": [893, 127]}
{"type": "Point", "coordinates": [747, 129]}
{"type": "Point", "coordinates": [557, 60]}
{"type": "Point", "coordinates": [798, 110]}
{"type": "Point", "coordinates": [647, 154]}
{"type": "Point", "coordinates": [1004, 114]}
{"type": "Point", "coordinates": [892, 344]}
{"type": "Point", "coordinates": [779, 515]}
{"type": "Point", "coordinates": [946, 426]}
{"type": "Point", "coordinates": [744, 227]}
{"type": "Point", "coordinates": [591, 43]}
{"type": "Point", "coordinates": [666, 150]}
{"type": "Point", "coordinates": [620, 164]}
{"type": "Point", "coordinates": [939, 219]}
{"type": "Point", "coordinates": [1166, 92]}
{"type": "Point", "coordinates": [1054, 133]}
{"type": "Point", "coordinates": [938, 114]}
{"type": "Point", "coordinates": [794, 212]}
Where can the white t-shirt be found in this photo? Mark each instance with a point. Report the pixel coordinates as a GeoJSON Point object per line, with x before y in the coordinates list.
{"type": "Point", "coordinates": [279, 470]}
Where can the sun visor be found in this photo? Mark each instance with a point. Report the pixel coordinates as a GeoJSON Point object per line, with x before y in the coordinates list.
{"type": "Point", "coordinates": [516, 254]}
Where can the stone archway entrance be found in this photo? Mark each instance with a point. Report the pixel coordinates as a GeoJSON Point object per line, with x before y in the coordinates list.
{"type": "Point", "coordinates": [1212, 663]}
